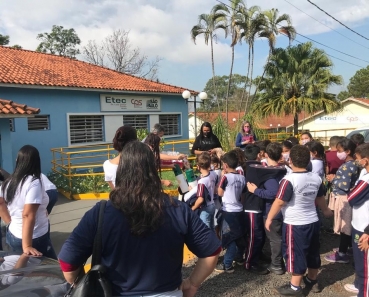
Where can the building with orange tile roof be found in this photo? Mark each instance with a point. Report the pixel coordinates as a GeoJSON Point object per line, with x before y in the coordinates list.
{"type": "Point", "coordinates": [82, 103]}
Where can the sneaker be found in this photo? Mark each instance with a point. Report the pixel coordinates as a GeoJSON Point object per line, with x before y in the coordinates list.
{"type": "Point", "coordinates": [351, 288]}
{"type": "Point", "coordinates": [286, 290]}
{"type": "Point", "coordinates": [258, 270]}
{"type": "Point", "coordinates": [312, 286]}
{"type": "Point", "coordinates": [336, 258]}
{"type": "Point", "coordinates": [350, 251]}
{"type": "Point", "coordinates": [276, 269]}
{"type": "Point", "coordinates": [240, 261]}
{"type": "Point", "coordinates": [221, 268]}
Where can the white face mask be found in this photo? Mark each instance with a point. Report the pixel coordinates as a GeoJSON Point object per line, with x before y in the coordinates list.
{"type": "Point", "coordinates": [286, 156]}
{"type": "Point", "coordinates": [305, 141]}
{"type": "Point", "coordinates": [342, 155]}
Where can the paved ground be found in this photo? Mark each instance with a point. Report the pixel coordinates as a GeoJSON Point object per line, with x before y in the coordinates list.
{"type": "Point", "coordinates": [66, 215]}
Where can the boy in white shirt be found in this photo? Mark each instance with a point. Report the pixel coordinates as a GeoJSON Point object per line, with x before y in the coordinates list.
{"type": "Point", "coordinates": [232, 188]}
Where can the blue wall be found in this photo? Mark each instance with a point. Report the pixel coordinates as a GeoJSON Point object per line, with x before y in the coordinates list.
{"type": "Point", "coordinates": [57, 103]}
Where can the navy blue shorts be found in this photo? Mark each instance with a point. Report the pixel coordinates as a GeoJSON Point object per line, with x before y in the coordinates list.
{"type": "Point", "coordinates": [301, 247]}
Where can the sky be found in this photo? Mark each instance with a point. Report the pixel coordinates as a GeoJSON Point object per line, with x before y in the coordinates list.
{"type": "Point", "coordinates": [162, 28]}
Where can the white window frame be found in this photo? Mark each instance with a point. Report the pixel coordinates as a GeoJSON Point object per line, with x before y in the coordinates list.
{"type": "Point", "coordinates": [122, 114]}
{"type": "Point", "coordinates": [43, 116]}
{"type": "Point", "coordinates": [89, 142]}
{"type": "Point", "coordinates": [139, 115]}
{"type": "Point", "coordinates": [12, 125]}
{"type": "Point", "coordinates": [166, 125]}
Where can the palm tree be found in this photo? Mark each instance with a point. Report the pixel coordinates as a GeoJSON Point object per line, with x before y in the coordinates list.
{"type": "Point", "coordinates": [297, 79]}
{"type": "Point", "coordinates": [232, 14]}
{"type": "Point", "coordinates": [273, 26]}
{"type": "Point", "coordinates": [208, 24]}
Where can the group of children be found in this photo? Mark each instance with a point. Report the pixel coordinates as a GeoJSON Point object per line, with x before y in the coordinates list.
{"type": "Point", "coordinates": [279, 191]}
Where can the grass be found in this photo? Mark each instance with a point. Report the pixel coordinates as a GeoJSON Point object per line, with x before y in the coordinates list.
{"type": "Point", "coordinates": [170, 176]}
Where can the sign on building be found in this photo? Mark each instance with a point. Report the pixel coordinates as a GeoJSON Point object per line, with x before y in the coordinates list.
{"type": "Point", "coordinates": [129, 103]}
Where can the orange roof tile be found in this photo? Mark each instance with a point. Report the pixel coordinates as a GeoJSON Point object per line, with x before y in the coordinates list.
{"type": "Point", "coordinates": [8, 107]}
{"type": "Point", "coordinates": [40, 69]}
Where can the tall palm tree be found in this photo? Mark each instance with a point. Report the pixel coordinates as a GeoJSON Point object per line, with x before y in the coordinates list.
{"type": "Point", "coordinates": [232, 14]}
{"type": "Point", "coordinates": [297, 79]}
{"type": "Point", "coordinates": [275, 24]}
{"type": "Point", "coordinates": [207, 25]}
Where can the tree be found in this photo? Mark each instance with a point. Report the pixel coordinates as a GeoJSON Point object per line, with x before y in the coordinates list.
{"type": "Point", "coordinates": [116, 52]}
{"type": "Point", "coordinates": [60, 41]}
{"type": "Point", "coordinates": [359, 84]}
{"type": "Point", "coordinates": [16, 46]}
{"type": "Point", "coordinates": [343, 95]}
{"type": "Point", "coordinates": [4, 39]}
{"type": "Point", "coordinates": [207, 25]}
{"type": "Point", "coordinates": [297, 79]}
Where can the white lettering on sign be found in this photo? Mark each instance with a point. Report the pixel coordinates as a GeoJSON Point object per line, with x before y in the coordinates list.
{"type": "Point", "coordinates": [129, 103]}
{"type": "Point", "coordinates": [362, 119]}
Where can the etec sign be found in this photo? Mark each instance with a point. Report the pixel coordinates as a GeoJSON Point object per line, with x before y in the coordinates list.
{"type": "Point", "coordinates": [129, 103]}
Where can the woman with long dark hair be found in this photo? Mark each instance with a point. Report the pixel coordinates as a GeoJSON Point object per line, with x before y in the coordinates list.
{"type": "Point", "coordinates": [23, 203]}
{"type": "Point", "coordinates": [245, 136]}
{"type": "Point", "coordinates": [206, 141]}
{"type": "Point", "coordinates": [122, 136]}
{"type": "Point", "coordinates": [144, 231]}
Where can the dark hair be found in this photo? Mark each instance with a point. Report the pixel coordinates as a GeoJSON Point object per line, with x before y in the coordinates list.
{"type": "Point", "coordinates": [251, 152]}
{"type": "Point", "coordinates": [241, 158]}
{"type": "Point", "coordinates": [274, 151]}
{"type": "Point", "coordinates": [122, 136]}
{"type": "Point", "coordinates": [357, 138]}
{"type": "Point", "coordinates": [140, 195]}
{"type": "Point", "coordinates": [262, 144]}
{"type": "Point", "coordinates": [208, 125]}
{"type": "Point", "coordinates": [158, 128]}
{"type": "Point", "coordinates": [215, 159]}
{"type": "Point", "coordinates": [242, 131]}
{"type": "Point", "coordinates": [287, 143]}
{"type": "Point", "coordinates": [347, 145]}
{"type": "Point", "coordinates": [300, 156]}
{"type": "Point", "coordinates": [231, 159]}
{"type": "Point", "coordinates": [28, 163]}
{"type": "Point", "coordinates": [363, 150]}
{"type": "Point", "coordinates": [318, 148]}
{"type": "Point", "coordinates": [153, 141]}
{"type": "Point", "coordinates": [293, 140]}
{"type": "Point", "coordinates": [334, 140]}
{"type": "Point", "coordinates": [204, 160]}
{"type": "Point", "coordinates": [308, 134]}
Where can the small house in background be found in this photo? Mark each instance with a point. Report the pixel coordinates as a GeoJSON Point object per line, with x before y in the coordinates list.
{"type": "Point", "coordinates": [82, 104]}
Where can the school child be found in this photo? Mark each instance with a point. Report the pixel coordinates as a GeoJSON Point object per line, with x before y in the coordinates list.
{"type": "Point", "coordinates": [333, 162]}
{"type": "Point", "coordinates": [215, 167]}
{"type": "Point", "coordinates": [286, 147]}
{"type": "Point", "coordinates": [298, 192]}
{"type": "Point", "coordinates": [359, 201]}
{"type": "Point", "coordinates": [253, 207]}
{"type": "Point", "coordinates": [241, 166]}
{"type": "Point", "coordinates": [232, 189]}
{"type": "Point", "coordinates": [317, 158]}
{"type": "Point", "coordinates": [205, 190]}
{"type": "Point", "coordinates": [358, 139]}
{"type": "Point", "coordinates": [344, 180]}
{"type": "Point", "coordinates": [262, 145]}
{"type": "Point", "coordinates": [272, 174]}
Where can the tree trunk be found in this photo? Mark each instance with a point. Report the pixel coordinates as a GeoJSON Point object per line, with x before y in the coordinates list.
{"type": "Point", "coordinates": [295, 124]}
{"type": "Point", "coordinates": [229, 86]}
{"type": "Point", "coordinates": [245, 86]}
{"type": "Point", "coordinates": [251, 73]}
{"type": "Point", "coordinates": [213, 68]}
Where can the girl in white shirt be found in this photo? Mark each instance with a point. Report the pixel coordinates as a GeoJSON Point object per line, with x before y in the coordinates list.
{"type": "Point", "coordinates": [317, 154]}
{"type": "Point", "coordinates": [23, 203]}
{"type": "Point", "coordinates": [122, 136]}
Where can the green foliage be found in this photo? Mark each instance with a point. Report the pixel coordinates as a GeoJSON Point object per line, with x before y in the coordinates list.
{"type": "Point", "coordinates": [343, 95]}
{"type": "Point", "coordinates": [142, 133]}
{"type": "Point", "coordinates": [297, 79]}
{"type": "Point", "coordinates": [79, 184]}
{"type": "Point", "coordinates": [4, 39]}
{"type": "Point", "coordinates": [16, 46]}
{"type": "Point", "coordinates": [60, 41]}
{"type": "Point", "coordinates": [359, 84]}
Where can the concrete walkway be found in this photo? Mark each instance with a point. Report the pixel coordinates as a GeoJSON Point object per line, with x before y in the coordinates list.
{"type": "Point", "coordinates": [65, 216]}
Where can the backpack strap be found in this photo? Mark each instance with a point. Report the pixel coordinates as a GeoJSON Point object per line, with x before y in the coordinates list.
{"type": "Point", "coordinates": [96, 252]}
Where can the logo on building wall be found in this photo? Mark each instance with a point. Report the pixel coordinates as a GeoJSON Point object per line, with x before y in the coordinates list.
{"type": "Point", "coordinates": [136, 103]}
{"type": "Point", "coordinates": [129, 103]}
{"type": "Point", "coordinates": [152, 104]}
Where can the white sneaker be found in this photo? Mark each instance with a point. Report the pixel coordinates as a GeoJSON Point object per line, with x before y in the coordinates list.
{"type": "Point", "coordinates": [351, 288]}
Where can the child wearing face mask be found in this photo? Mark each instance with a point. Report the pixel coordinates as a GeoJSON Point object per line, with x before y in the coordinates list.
{"type": "Point", "coordinates": [342, 182]}
{"type": "Point", "coordinates": [305, 138]}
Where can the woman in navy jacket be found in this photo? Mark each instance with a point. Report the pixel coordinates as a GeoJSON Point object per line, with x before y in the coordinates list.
{"type": "Point", "coordinates": [245, 136]}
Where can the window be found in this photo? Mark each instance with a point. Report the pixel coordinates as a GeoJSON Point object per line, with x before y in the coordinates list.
{"type": "Point", "coordinates": [86, 128]}
{"type": "Point", "coordinates": [170, 123]}
{"type": "Point", "coordinates": [136, 121]}
{"type": "Point", "coordinates": [39, 122]}
{"type": "Point", "coordinates": [11, 125]}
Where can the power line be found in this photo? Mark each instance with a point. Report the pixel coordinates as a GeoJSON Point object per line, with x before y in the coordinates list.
{"type": "Point", "coordinates": [326, 25]}
{"type": "Point", "coordinates": [337, 20]}
{"type": "Point", "coordinates": [317, 43]}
